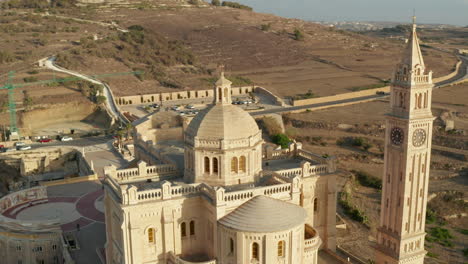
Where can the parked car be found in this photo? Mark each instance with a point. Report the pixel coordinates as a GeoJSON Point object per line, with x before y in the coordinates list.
{"type": "Point", "coordinates": [19, 144]}
{"type": "Point", "coordinates": [66, 138]}
{"type": "Point", "coordinates": [190, 106]}
{"type": "Point", "coordinates": [44, 140]}
{"type": "Point", "coordinates": [26, 147]}
{"type": "Point", "coordinates": [154, 105]}
{"type": "Point", "coordinates": [175, 108]}
{"type": "Point", "coordinates": [2, 146]}
{"type": "Point", "coordinates": [8, 149]}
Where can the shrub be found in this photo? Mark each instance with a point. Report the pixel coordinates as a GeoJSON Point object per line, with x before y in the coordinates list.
{"type": "Point", "coordinates": [265, 27]}
{"type": "Point", "coordinates": [431, 216]}
{"type": "Point", "coordinates": [236, 5]}
{"type": "Point", "coordinates": [33, 72]}
{"type": "Point", "coordinates": [351, 210]}
{"type": "Point", "coordinates": [30, 79]}
{"type": "Point", "coordinates": [465, 252]}
{"type": "Point", "coordinates": [281, 139]}
{"type": "Point", "coordinates": [441, 236]}
{"type": "Point", "coordinates": [368, 180]}
{"type": "Point", "coordinates": [216, 2]}
{"type": "Point", "coordinates": [6, 57]}
{"type": "Point", "coordinates": [100, 99]}
{"type": "Point", "coordinates": [298, 35]}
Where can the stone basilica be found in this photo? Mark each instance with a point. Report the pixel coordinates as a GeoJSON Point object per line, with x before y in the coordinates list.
{"type": "Point", "coordinates": [212, 192]}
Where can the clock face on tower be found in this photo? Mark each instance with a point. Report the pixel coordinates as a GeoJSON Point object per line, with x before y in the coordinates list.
{"type": "Point", "coordinates": [397, 135]}
{"type": "Point", "coordinates": [419, 137]}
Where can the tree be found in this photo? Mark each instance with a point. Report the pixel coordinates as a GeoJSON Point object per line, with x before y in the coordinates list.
{"type": "Point", "coordinates": [100, 99]}
{"type": "Point", "coordinates": [27, 101]}
{"type": "Point", "coordinates": [216, 2]}
{"type": "Point", "coordinates": [298, 35]}
{"type": "Point", "coordinates": [282, 140]}
{"type": "Point", "coordinates": [128, 130]}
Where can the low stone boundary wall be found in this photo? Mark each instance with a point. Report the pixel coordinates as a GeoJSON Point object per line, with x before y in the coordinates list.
{"type": "Point", "coordinates": [448, 76]}
{"type": "Point", "coordinates": [352, 95]}
{"type": "Point", "coordinates": [274, 98]}
{"type": "Point", "coordinates": [22, 197]}
{"type": "Point", "coordinates": [342, 96]}
{"type": "Point", "coordinates": [174, 96]}
{"type": "Point", "coordinates": [93, 177]}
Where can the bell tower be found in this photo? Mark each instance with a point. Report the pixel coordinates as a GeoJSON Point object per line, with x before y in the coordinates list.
{"type": "Point", "coordinates": [400, 236]}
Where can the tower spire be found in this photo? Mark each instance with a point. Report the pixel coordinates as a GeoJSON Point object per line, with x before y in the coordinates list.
{"type": "Point", "coordinates": [412, 55]}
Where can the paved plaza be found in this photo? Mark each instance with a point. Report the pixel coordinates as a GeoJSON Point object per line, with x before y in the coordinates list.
{"type": "Point", "coordinates": [80, 210]}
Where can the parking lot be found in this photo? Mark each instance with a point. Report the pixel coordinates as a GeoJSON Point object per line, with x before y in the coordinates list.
{"type": "Point", "coordinates": [193, 106]}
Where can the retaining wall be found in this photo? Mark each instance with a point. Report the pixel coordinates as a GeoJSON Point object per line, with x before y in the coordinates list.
{"type": "Point", "coordinates": [174, 96]}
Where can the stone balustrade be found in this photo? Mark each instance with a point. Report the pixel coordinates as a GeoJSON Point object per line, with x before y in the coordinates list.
{"type": "Point", "coordinates": [142, 172]}
{"type": "Point", "coordinates": [306, 170]}
{"type": "Point", "coordinates": [174, 259]}
{"type": "Point", "coordinates": [276, 191]}
{"type": "Point", "coordinates": [312, 240]}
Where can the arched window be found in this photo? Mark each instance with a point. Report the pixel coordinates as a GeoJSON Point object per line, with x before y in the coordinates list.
{"type": "Point", "coordinates": [225, 92]}
{"type": "Point", "coordinates": [215, 165]}
{"type": "Point", "coordinates": [281, 248]}
{"type": "Point", "coordinates": [220, 94]}
{"type": "Point", "coordinates": [242, 164]}
{"type": "Point", "coordinates": [255, 251]}
{"type": "Point", "coordinates": [231, 246]}
{"type": "Point", "coordinates": [183, 229]}
{"type": "Point", "coordinates": [207, 165]}
{"type": "Point", "coordinates": [315, 205]}
{"type": "Point", "coordinates": [192, 228]}
{"type": "Point", "coordinates": [151, 235]}
{"type": "Point", "coordinates": [234, 165]}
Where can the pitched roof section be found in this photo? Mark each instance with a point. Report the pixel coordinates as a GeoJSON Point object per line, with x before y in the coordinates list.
{"type": "Point", "coordinates": [263, 214]}
{"type": "Point", "coordinates": [412, 55]}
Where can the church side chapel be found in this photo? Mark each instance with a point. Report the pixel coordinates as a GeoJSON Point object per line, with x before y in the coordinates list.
{"type": "Point", "coordinates": [210, 190]}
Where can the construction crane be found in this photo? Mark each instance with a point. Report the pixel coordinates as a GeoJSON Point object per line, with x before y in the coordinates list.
{"type": "Point", "coordinates": [10, 87]}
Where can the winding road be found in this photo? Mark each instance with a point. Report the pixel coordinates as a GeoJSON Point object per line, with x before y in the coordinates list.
{"type": "Point", "coordinates": [111, 107]}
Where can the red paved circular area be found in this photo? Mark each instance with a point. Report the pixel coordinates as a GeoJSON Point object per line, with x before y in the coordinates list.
{"type": "Point", "coordinates": [85, 206]}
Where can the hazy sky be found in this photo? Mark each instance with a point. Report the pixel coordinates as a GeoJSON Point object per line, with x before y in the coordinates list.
{"type": "Point", "coordinates": [427, 11]}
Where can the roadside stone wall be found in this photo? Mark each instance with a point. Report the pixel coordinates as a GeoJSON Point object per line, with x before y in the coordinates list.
{"type": "Point", "coordinates": [174, 96]}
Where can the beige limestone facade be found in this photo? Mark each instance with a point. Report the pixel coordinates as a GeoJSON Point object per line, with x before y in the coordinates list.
{"type": "Point", "coordinates": [231, 200]}
{"type": "Point", "coordinates": [401, 234]}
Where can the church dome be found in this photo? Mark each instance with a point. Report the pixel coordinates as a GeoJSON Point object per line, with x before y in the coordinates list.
{"type": "Point", "coordinates": [223, 121]}
{"type": "Point", "coordinates": [264, 214]}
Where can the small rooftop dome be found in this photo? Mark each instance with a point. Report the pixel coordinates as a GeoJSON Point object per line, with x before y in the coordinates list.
{"type": "Point", "coordinates": [221, 121]}
{"type": "Point", "coordinates": [263, 214]}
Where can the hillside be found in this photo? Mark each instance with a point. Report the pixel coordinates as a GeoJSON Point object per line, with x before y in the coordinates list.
{"type": "Point", "coordinates": [182, 44]}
